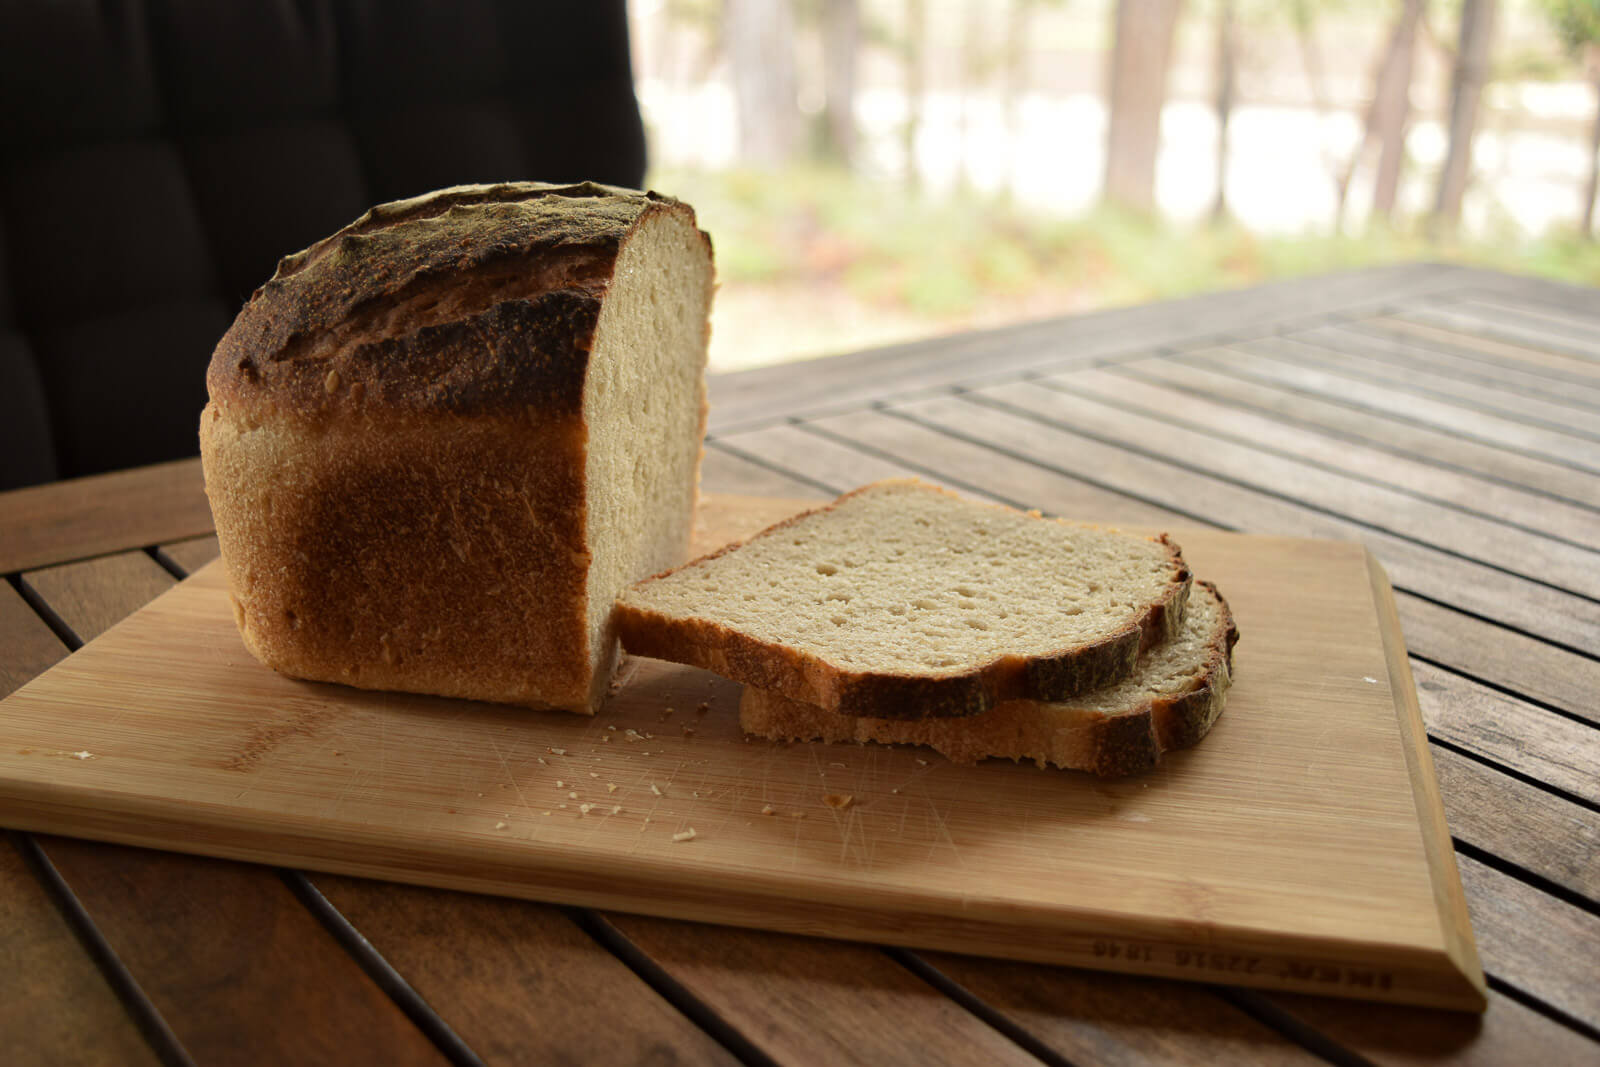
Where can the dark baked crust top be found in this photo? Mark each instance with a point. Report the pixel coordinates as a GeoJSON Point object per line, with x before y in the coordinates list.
{"type": "Point", "coordinates": [475, 300]}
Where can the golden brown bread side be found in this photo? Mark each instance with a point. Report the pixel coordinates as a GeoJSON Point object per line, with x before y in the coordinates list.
{"type": "Point", "coordinates": [415, 428]}
{"type": "Point", "coordinates": [1171, 702]}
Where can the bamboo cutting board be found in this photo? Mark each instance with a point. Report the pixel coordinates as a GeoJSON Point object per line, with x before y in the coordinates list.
{"type": "Point", "coordinates": [1301, 846]}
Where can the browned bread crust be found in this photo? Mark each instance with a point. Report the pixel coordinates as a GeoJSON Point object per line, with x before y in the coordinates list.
{"type": "Point", "coordinates": [802, 676]}
{"type": "Point", "coordinates": [396, 442]}
{"type": "Point", "coordinates": [391, 312]}
{"type": "Point", "coordinates": [1107, 743]}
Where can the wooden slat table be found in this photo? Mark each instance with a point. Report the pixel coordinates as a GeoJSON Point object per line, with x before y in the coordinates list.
{"type": "Point", "coordinates": [1449, 418]}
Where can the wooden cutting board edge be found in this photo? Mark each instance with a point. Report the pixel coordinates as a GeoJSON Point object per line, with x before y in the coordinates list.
{"type": "Point", "coordinates": [1449, 898]}
{"type": "Point", "coordinates": [1207, 952]}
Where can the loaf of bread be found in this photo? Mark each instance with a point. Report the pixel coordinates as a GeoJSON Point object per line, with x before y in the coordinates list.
{"type": "Point", "coordinates": [903, 599]}
{"type": "Point", "coordinates": [442, 441]}
{"type": "Point", "coordinates": [1170, 701]}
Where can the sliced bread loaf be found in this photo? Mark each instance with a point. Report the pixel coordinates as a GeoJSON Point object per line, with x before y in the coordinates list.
{"type": "Point", "coordinates": [441, 441]}
{"type": "Point", "coordinates": [903, 599]}
{"type": "Point", "coordinates": [1170, 702]}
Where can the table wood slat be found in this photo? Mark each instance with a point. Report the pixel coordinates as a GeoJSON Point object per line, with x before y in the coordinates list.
{"type": "Point", "coordinates": [236, 966]}
{"type": "Point", "coordinates": [1432, 356]}
{"type": "Point", "coordinates": [192, 554]}
{"type": "Point", "coordinates": [27, 645]}
{"type": "Point", "coordinates": [93, 595]}
{"type": "Point", "coordinates": [1508, 1033]}
{"type": "Point", "coordinates": [899, 448]}
{"type": "Point", "coordinates": [1555, 750]}
{"type": "Point", "coordinates": [1529, 361]}
{"type": "Point", "coordinates": [1258, 362]}
{"type": "Point", "coordinates": [828, 385]}
{"type": "Point", "coordinates": [1481, 497]}
{"type": "Point", "coordinates": [1537, 943]}
{"type": "Point", "coordinates": [1388, 433]}
{"type": "Point", "coordinates": [1543, 295]}
{"type": "Point", "coordinates": [1526, 665]}
{"type": "Point", "coordinates": [724, 472]}
{"type": "Point", "coordinates": [1114, 1019]}
{"type": "Point", "coordinates": [804, 1001]}
{"type": "Point", "coordinates": [1319, 349]}
{"type": "Point", "coordinates": [56, 1007]}
{"type": "Point", "coordinates": [1504, 327]}
{"type": "Point", "coordinates": [1521, 824]}
{"type": "Point", "coordinates": [102, 513]}
{"type": "Point", "coordinates": [1570, 323]}
{"type": "Point", "coordinates": [1376, 506]}
{"type": "Point", "coordinates": [1576, 314]}
{"type": "Point", "coordinates": [486, 964]}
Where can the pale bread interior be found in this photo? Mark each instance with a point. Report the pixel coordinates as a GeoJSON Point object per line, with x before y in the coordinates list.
{"type": "Point", "coordinates": [1071, 734]}
{"type": "Point", "coordinates": [905, 578]}
{"type": "Point", "coordinates": [644, 403]}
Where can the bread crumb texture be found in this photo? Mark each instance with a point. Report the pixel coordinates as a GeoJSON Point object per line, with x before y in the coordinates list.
{"type": "Point", "coordinates": [901, 580]}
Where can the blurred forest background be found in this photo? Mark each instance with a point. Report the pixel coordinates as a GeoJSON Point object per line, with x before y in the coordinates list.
{"type": "Point", "coordinates": [881, 170]}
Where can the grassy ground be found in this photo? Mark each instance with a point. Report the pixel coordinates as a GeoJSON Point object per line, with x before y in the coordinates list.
{"type": "Point", "coordinates": [814, 262]}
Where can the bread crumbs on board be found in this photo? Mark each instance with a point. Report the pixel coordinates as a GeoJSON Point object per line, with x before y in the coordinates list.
{"type": "Point", "coordinates": [684, 835]}
{"type": "Point", "coordinates": [838, 801]}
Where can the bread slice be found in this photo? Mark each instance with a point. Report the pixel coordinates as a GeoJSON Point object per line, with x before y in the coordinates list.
{"type": "Point", "coordinates": [443, 440]}
{"type": "Point", "coordinates": [1170, 702]}
{"type": "Point", "coordinates": [903, 599]}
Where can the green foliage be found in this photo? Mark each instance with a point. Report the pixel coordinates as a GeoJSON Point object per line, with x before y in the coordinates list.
{"type": "Point", "coordinates": [951, 261]}
{"type": "Point", "coordinates": [1576, 22]}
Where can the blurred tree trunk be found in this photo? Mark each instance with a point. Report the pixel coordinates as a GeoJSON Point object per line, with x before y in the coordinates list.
{"type": "Point", "coordinates": [1136, 91]}
{"type": "Point", "coordinates": [841, 44]}
{"type": "Point", "coordinates": [1466, 87]}
{"type": "Point", "coordinates": [1226, 70]}
{"type": "Point", "coordinates": [972, 77]}
{"type": "Point", "coordinates": [1592, 187]}
{"type": "Point", "coordinates": [1380, 116]}
{"type": "Point", "coordinates": [913, 48]}
{"type": "Point", "coordinates": [759, 36]}
{"type": "Point", "coordinates": [1018, 17]}
{"type": "Point", "coordinates": [1390, 116]}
